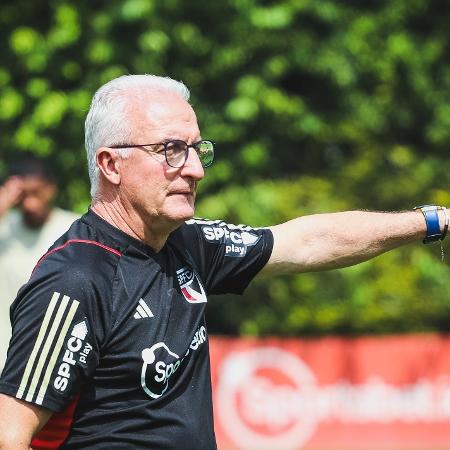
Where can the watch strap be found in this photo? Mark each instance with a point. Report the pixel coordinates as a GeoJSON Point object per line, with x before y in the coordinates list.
{"type": "Point", "coordinates": [430, 213]}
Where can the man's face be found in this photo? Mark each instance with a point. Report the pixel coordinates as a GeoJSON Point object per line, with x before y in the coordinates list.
{"type": "Point", "coordinates": [162, 195]}
{"type": "Point", "coordinates": [35, 200]}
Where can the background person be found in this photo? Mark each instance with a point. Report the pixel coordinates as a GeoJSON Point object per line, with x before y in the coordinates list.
{"type": "Point", "coordinates": [29, 224]}
{"type": "Point", "coordinates": [109, 333]}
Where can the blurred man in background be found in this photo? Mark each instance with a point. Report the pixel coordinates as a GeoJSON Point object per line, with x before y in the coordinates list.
{"type": "Point", "coordinates": [29, 224]}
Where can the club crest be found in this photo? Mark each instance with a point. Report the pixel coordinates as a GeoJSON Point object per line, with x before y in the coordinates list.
{"type": "Point", "coordinates": [190, 285]}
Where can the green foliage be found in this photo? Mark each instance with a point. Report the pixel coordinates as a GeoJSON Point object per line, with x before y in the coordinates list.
{"type": "Point", "coordinates": [315, 105]}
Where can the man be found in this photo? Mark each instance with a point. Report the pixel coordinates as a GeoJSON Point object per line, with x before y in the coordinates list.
{"type": "Point", "coordinates": [29, 224]}
{"type": "Point", "coordinates": [109, 347]}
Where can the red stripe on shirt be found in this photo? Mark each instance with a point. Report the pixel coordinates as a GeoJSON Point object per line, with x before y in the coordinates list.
{"type": "Point", "coordinates": [56, 430]}
{"type": "Point", "coordinates": [77, 241]}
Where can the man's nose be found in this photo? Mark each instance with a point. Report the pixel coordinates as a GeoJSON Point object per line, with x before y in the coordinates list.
{"type": "Point", "coordinates": [30, 203]}
{"type": "Point", "coordinates": [193, 166]}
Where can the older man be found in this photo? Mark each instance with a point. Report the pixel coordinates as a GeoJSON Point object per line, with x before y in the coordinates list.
{"type": "Point", "coordinates": [109, 347]}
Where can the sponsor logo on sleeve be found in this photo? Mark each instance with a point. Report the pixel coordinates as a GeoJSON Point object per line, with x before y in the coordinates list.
{"type": "Point", "coordinates": [191, 287]}
{"type": "Point", "coordinates": [236, 239]}
{"type": "Point", "coordinates": [76, 351]}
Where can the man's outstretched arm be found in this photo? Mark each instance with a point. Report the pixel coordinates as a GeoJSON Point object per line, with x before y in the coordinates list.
{"type": "Point", "coordinates": [329, 241]}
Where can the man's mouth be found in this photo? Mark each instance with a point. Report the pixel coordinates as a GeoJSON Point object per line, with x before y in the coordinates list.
{"type": "Point", "coordinates": [187, 190]}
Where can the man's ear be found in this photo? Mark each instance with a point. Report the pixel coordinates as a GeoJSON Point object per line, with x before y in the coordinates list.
{"type": "Point", "coordinates": [108, 162]}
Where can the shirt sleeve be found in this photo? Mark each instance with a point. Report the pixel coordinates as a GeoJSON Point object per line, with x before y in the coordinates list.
{"type": "Point", "coordinates": [58, 326]}
{"type": "Point", "coordinates": [226, 256]}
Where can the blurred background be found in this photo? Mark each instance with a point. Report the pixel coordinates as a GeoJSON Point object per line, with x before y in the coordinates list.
{"type": "Point", "coordinates": [315, 105]}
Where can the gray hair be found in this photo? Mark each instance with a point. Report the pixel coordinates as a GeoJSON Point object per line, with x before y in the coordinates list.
{"type": "Point", "coordinates": [107, 122]}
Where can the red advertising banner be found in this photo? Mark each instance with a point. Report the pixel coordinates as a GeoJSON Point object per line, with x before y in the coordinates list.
{"type": "Point", "coordinates": [332, 393]}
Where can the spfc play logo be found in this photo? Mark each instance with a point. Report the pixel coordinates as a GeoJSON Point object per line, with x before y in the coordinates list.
{"type": "Point", "coordinates": [190, 285]}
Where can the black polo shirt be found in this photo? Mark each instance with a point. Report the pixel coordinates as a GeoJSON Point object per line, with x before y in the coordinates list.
{"type": "Point", "coordinates": [111, 336]}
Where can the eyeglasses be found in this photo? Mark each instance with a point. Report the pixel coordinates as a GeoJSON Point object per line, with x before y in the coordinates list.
{"type": "Point", "coordinates": [176, 152]}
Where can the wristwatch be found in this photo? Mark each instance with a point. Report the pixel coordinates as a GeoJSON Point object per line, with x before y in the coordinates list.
{"type": "Point", "coordinates": [430, 213]}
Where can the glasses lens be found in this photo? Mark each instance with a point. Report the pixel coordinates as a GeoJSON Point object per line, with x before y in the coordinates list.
{"type": "Point", "coordinates": [205, 150]}
{"type": "Point", "coordinates": [176, 153]}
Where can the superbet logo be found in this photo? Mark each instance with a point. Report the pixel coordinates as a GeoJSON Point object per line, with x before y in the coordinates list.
{"type": "Point", "coordinates": [160, 364]}
{"type": "Point", "coordinates": [259, 398]}
{"type": "Point", "coordinates": [267, 398]}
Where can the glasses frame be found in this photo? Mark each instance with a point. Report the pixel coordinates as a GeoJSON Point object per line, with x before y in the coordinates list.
{"type": "Point", "coordinates": [187, 146]}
